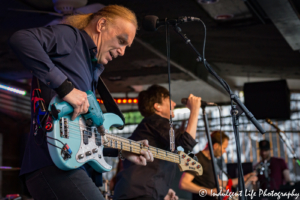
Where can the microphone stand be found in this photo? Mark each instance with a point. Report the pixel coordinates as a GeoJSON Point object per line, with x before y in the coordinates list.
{"type": "Point", "coordinates": [211, 149]}
{"type": "Point", "coordinates": [236, 110]}
{"type": "Point", "coordinates": [287, 144]}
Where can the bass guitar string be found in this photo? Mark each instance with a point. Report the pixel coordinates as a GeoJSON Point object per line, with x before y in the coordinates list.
{"type": "Point", "coordinates": [136, 149]}
{"type": "Point", "coordinates": [157, 151]}
{"type": "Point", "coordinates": [133, 149]}
{"type": "Point", "coordinates": [135, 142]}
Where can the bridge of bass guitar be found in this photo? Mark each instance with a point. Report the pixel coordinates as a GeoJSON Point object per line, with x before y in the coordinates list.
{"type": "Point", "coordinates": [84, 142]}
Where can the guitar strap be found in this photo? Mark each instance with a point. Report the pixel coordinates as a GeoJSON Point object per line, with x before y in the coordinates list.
{"type": "Point", "coordinates": [41, 116]}
{"type": "Point", "coordinates": [108, 101]}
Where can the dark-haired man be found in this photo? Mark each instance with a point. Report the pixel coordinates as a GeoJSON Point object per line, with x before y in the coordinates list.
{"type": "Point", "coordinates": [272, 172]}
{"type": "Point", "coordinates": [206, 182]}
{"type": "Point", "coordinates": [153, 181]}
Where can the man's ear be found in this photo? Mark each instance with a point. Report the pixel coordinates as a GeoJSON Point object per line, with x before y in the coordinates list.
{"type": "Point", "coordinates": [215, 146]}
{"type": "Point", "coordinates": [157, 107]}
{"type": "Point", "coordinates": [101, 24]}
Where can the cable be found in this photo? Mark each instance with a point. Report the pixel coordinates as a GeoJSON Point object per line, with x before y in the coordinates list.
{"type": "Point", "coordinates": [55, 139]}
{"type": "Point", "coordinates": [171, 131]}
{"type": "Point", "coordinates": [207, 66]}
{"type": "Point", "coordinates": [54, 145]}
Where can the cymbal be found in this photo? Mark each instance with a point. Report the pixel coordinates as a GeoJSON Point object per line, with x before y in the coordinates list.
{"type": "Point", "coordinates": [7, 168]}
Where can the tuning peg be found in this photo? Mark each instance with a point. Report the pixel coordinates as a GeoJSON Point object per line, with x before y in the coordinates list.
{"type": "Point", "coordinates": [195, 158]}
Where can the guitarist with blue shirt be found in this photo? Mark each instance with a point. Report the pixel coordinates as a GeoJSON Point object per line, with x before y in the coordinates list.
{"type": "Point", "coordinates": [67, 60]}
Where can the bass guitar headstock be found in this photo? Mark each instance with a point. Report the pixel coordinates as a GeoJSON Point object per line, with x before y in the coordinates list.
{"type": "Point", "coordinates": [189, 164]}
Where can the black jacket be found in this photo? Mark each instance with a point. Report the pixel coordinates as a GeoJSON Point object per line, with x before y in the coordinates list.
{"type": "Point", "coordinates": [154, 179]}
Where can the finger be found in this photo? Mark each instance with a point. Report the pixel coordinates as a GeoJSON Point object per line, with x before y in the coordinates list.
{"type": "Point", "coordinates": [145, 154]}
{"type": "Point", "coordinates": [145, 143]}
{"type": "Point", "coordinates": [151, 156]}
{"type": "Point", "coordinates": [143, 160]}
{"type": "Point", "coordinates": [75, 113]}
{"type": "Point", "coordinates": [88, 103]}
{"type": "Point", "coordinates": [86, 106]}
{"type": "Point", "coordinates": [81, 110]}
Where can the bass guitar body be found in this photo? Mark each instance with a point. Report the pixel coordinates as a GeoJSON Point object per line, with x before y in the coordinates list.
{"type": "Point", "coordinates": [73, 143]}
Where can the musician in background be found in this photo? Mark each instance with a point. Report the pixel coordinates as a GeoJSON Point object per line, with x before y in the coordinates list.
{"type": "Point", "coordinates": [154, 180]}
{"type": "Point", "coordinates": [272, 172]}
{"type": "Point", "coordinates": [206, 182]}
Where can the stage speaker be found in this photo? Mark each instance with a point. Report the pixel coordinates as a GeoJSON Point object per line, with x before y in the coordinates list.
{"type": "Point", "coordinates": [268, 99]}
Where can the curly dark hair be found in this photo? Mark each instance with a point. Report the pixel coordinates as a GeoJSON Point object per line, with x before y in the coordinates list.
{"type": "Point", "coordinates": [216, 137]}
{"type": "Point", "coordinates": [147, 99]}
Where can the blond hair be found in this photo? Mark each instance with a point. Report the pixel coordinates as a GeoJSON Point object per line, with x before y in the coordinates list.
{"type": "Point", "coordinates": [110, 12]}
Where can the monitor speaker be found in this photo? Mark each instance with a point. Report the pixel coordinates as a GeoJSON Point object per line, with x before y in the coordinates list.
{"type": "Point", "coordinates": [268, 99]}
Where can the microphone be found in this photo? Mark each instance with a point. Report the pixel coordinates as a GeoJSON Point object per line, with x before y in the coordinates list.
{"type": "Point", "coordinates": [203, 103]}
{"type": "Point", "coordinates": [151, 22]}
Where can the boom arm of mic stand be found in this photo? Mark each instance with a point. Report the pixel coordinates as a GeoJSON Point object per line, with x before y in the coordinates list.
{"type": "Point", "coordinates": [188, 41]}
{"type": "Point", "coordinates": [248, 113]}
{"type": "Point", "coordinates": [222, 82]}
{"type": "Point", "coordinates": [288, 145]}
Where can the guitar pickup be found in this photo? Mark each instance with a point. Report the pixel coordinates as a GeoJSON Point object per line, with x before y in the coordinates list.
{"type": "Point", "coordinates": [64, 127]}
{"type": "Point", "coordinates": [89, 132]}
{"type": "Point", "coordinates": [85, 137]}
{"type": "Point", "coordinates": [97, 138]}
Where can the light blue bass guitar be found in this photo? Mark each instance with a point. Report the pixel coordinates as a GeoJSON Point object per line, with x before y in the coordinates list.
{"type": "Point", "coordinates": [74, 143]}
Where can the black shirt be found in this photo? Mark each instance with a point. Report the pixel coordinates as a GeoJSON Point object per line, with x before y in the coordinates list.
{"type": "Point", "coordinates": [207, 179]}
{"type": "Point", "coordinates": [154, 179]}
